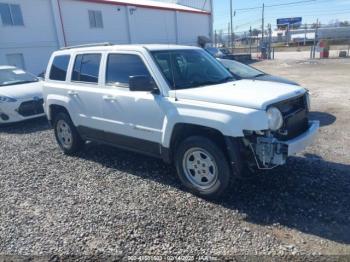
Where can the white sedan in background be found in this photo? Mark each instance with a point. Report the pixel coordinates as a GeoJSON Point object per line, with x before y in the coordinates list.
{"type": "Point", "coordinates": [20, 95]}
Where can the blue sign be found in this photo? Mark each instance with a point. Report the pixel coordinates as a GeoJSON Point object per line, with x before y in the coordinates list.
{"type": "Point", "coordinates": [293, 21]}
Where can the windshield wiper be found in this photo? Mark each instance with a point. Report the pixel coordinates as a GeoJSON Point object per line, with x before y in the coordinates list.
{"type": "Point", "coordinates": [204, 84]}
{"type": "Point", "coordinates": [207, 83]}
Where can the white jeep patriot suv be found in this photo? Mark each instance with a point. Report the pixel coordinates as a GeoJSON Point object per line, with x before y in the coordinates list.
{"type": "Point", "coordinates": [177, 103]}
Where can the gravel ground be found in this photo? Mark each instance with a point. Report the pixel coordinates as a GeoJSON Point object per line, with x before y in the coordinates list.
{"type": "Point", "coordinates": [111, 202]}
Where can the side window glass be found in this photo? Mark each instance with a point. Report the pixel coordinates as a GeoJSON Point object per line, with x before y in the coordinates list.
{"type": "Point", "coordinates": [86, 68]}
{"type": "Point", "coordinates": [59, 68]}
{"type": "Point", "coordinates": [121, 66]}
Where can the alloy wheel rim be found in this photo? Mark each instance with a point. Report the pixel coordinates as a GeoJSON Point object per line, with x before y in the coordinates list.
{"type": "Point", "coordinates": [200, 168]}
{"type": "Point", "coordinates": [64, 134]}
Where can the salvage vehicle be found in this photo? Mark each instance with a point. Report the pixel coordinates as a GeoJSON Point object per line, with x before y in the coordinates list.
{"type": "Point", "coordinates": [243, 71]}
{"type": "Point", "coordinates": [177, 103]}
{"type": "Point", "coordinates": [20, 95]}
{"type": "Point", "coordinates": [225, 53]}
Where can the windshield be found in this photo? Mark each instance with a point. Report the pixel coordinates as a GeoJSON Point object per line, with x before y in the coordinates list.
{"type": "Point", "coordinates": [15, 76]}
{"type": "Point", "coordinates": [190, 68]}
{"type": "Point", "coordinates": [241, 70]}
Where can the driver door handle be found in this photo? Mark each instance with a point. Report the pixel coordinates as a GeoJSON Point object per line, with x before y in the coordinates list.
{"type": "Point", "coordinates": [109, 98]}
{"type": "Point", "coordinates": [72, 93]}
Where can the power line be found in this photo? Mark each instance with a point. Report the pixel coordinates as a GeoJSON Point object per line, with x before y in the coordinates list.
{"type": "Point", "coordinates": [275, 5]}
{"type": "Point", "coordinates": [292, 3]}
{"type": "Point", "coordinates": [304, 2]}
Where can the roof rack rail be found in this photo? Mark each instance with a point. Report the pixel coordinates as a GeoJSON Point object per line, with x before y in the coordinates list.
{"type": "Point", "coordinates": [87, 45]}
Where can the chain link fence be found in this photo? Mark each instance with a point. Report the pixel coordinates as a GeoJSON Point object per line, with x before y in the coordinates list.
{"type": "Point", "coordinates": [319, 42]}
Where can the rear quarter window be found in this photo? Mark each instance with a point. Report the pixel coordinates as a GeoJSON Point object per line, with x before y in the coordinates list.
{"type": "Point", "coordinates": [59, 68]}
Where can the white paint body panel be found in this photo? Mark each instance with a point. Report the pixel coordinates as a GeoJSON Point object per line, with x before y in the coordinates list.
{"type": "Point", "coordinates": [244, 93]}
{"type": "Point", "coordinates": [229, 108]}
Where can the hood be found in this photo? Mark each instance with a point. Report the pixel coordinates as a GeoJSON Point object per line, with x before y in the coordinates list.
{"type": "Point", "coordinates": [275, 79]}
{"type": "Point", "coordinates": [244, 93]}
{"type": "Point", "coordinates": [22, 91]}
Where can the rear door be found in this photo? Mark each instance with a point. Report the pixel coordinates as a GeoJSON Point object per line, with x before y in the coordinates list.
{"type": "Point", "coordinates": [85, 90]}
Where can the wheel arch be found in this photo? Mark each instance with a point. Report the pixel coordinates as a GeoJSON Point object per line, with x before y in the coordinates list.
{"type": "Point", "coordinates": [55, 104]}
{"type": "Point", "coordinates": [231, 146]}
{"type": "Point", "coordinates": [55, 109]}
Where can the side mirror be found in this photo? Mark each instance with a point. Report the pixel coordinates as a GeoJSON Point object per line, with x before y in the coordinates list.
{"type": "Point", "coordinates": [142, 83]}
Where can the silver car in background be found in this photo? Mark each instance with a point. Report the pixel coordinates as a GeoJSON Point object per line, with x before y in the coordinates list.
{"type": "Point", "coordinates": [20, 95]}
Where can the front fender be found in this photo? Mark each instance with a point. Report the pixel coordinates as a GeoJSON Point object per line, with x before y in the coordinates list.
{"type": "Point", "coordinates": [228, 120]}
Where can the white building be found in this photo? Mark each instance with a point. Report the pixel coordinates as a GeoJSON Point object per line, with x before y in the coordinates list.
{"type": "Point", "coordinates": [30, 30]}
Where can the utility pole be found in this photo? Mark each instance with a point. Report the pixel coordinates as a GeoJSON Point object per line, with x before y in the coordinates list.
{"type": "Point", "coordinates": [262, 24]}
{"type": "Point", "coordinates": [215, 38]}
{"type": "Point", "coordinates": [315, 40]}
{"type": "Point", "coordinates": [270, 40]}
{"type": "Point", "coordinates": [288, 34]}
{"type": "Point", "coordinates": [231, 25]}
{"type": "Point", "coordinates": [250, 40]}
{"type": "Point", "coordinates": [228, 35]}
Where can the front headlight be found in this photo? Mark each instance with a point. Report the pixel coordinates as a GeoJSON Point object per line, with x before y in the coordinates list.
{"type": "Point", "coordinates": [275, 118]}
{"type": "Point", "coordinates": [7, 99]}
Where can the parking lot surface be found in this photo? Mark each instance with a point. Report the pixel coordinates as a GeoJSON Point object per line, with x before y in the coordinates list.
{"type": "Point", "coordinates": [112, 202]}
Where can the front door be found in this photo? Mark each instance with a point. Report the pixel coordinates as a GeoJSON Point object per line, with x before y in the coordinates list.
{"type": "Point", "coordinates": [133, 119]}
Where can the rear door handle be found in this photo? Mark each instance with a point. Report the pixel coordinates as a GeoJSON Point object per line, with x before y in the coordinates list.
{"type": "Point", "coordinates": [72, 93]}
{"type": "Point", "coordinates": [109, 98]}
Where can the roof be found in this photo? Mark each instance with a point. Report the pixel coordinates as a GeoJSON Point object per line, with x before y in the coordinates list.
{"type": "Point", "coordinates": [4, 67]}
{"type": "Point", "coordinates": [134, 47]}
{"type": "Point", "coordinates": [151, 4]}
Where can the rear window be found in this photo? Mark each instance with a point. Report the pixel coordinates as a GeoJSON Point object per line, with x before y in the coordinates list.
{"type": "Point", "coordinates": [86, 68]}
{"type": "Point", "coordinates": [59, 68]}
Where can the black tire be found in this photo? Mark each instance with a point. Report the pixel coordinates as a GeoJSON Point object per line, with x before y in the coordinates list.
{"type": "Point", "coordinates": [224, 177]}
{"type": "Point", "coordinates": [76, 142]}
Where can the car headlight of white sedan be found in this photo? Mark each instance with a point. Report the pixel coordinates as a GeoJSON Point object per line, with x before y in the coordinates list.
{"type": "Point", "coordinates": [275, 118]}
{"type": "Point", "coordinates": [6, 99]}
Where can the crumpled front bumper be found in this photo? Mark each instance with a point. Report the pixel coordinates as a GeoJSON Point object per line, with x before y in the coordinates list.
{"type": "Point", "coordinates": [299, 143]}
{"type": "Point", "coordinates": [270, 152]}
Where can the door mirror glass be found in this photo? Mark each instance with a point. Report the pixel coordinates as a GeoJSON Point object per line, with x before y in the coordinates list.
{"type": "Point", "coordinates": [142, 83]}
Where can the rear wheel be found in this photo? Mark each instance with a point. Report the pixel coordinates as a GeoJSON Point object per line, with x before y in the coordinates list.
{"type": "Point", "coordinates": [66, 134]}
{"type": "Point", "coordinates": [203, 167]}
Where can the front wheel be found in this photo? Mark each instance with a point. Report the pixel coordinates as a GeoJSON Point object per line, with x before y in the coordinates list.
{"type": "Point", "coordinates": [66, 134]}
{"type": "Point", "coordinates": [203, 167]}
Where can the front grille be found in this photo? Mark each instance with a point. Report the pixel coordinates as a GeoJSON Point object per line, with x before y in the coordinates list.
{"type": "Point", "coordinates": [31, 108]}
{"type": "Point", "coordinates": [295, 115]}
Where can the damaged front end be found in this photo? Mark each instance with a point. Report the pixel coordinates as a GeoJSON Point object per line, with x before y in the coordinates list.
{"type": "Point", "coordinates": [269, 152]}
{"type": "Point", "coordinates": [293, 133]}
